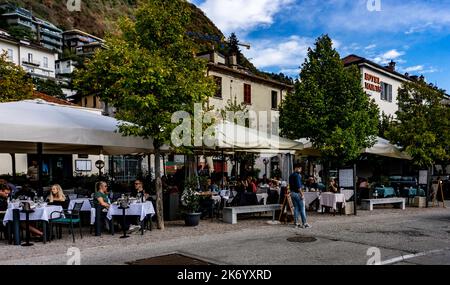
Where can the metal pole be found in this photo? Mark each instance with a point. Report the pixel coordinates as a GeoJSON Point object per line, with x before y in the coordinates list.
{"type": "Point", "coordinates": [356, 191]}
{"type": "Point", "coordinates": [164, 164]}
{"type": "Point", "coordinates": [40, 164]}
{"type": "Point", "coordinates": [98, 220]}
{"type": "Point", "coordinates": [16, 226]}
{"type": "Point", "coordinates": [13, 160]}
{"type": "Point", "coordinates": [430, 169]}
{"type": "Point", "coordinates": [223, 170]}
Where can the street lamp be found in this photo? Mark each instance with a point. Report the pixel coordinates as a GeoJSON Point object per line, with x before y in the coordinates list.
{"type": "Point", "coordinates": [265, 161]}
{"type": "Point", "coordinates": [100, 164]}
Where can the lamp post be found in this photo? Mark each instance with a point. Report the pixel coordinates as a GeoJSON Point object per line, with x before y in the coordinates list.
{"type": "Point", "coordinates": [265, 161]}
{"type": "Point", "coordinates": [100, 164]}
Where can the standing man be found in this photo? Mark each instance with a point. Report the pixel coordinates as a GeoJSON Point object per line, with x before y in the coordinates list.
{"type": "Point", "coordinates": [295, 184]}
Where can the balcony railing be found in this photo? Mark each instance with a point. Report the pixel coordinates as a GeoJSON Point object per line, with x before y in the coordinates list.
{"type": "Point", "coordinates": [31, 62]}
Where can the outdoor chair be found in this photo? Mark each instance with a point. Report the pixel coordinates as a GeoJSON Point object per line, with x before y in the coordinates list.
{"type": "Point", "coordinates": [67, 217]}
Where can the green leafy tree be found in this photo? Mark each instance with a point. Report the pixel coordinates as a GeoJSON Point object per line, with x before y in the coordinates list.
{"type": "Point", "coordinates": [384, 125]}
{"type": "Point", "coordinates": [22, 33]}
{"type": "Point", "coordinates": [148, 72]}
{"type": "Point", "coordinates": [330, 107]}
{"type": "Point", "coordinates": [422, 126]}
{"type": "Point", "coordinates": [15, 84]}
{"type": "Point", "coordinates": [236, 112]}
{"type": "Point", "coordinates": [49, 87]}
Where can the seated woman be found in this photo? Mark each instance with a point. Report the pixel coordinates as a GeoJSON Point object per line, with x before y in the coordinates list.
{"type": "Point", "coordinates": [57, 197]}
{"type": "Point", "coordinates": [332, 186]}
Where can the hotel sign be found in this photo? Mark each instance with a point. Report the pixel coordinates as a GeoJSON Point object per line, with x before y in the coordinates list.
{"type": "Point", "coordinates": [372, 82]}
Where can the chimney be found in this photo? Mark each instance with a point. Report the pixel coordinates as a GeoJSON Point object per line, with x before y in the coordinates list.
{"type": "Point", "coordinates": [232, 61]}
{"type": "Point", "coordinates": [391, 65]}
{"type": "Point", "coordinates": [213, 56]}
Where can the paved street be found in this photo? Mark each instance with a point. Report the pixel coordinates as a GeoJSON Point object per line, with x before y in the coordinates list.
{"type": "Point", "coordinates": [413, 236]}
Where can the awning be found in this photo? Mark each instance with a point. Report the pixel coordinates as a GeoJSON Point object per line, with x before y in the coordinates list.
{"type": "Point", "coordinates": [63, 129]}
{"type": "Point", "coordinates": [382, 147]}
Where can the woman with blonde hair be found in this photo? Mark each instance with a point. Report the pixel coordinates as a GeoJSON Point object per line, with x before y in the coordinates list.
{"type": "Point", "coordinates": [56, 194]}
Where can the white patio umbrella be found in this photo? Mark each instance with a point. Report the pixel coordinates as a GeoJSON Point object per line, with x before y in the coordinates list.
{"type": "Point", "coordinates": [239, 138]}
{"type": "Point", "coordinates": [382, 147]}
{"type": "Point", "coordinates": [62, 129]}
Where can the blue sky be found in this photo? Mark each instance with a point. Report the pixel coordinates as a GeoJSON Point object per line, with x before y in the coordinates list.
{"type": "Point", "coordinates": [415, 34]}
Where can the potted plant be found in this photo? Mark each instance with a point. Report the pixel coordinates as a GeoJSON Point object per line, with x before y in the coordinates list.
{"type": "Point", "coordinates": [191, 202]}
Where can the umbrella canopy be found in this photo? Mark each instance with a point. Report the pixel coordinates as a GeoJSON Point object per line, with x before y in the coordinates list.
{"type": "Point", "coordinates": [229, 136]}
{"type": "Point", "coordinates": [63, 129]}
{"type": "Point", "coordinates": [382, 147]}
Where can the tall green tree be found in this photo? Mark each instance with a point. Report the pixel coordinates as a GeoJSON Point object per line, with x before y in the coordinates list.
{"type": "Point", "coordinates": [15, 84]}
{"type": "Point", "coordinates": [384, 125]}
{"type": "Point", "coordinates": [148, 72]}
{"type": "Point", "coordinates": [422, 126]}
{"type": "Point", "coordinates": [330, 107]}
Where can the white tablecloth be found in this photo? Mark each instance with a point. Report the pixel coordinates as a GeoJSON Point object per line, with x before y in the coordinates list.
{"type": "Point", "coordinates": [86, 204]}
{"type": "Point", "coordinates": [137, 209]}
{"type": "Point", "coordinates": [263, 196]}
{"type": "Point", "coordinates": [311, 197]}
{"type": "Point", "coordinates": [347, 193]}
{"type": "Point", "coordinates": [40, 214]}
{"type": "Point", "coordinates": [330, 200]}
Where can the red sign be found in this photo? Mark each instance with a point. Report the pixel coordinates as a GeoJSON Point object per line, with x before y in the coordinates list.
{"type": "Point", "coordinates": [372, 83]}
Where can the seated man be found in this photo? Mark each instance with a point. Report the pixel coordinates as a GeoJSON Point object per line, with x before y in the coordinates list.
{"type": "Point", "coordinates": [101, 199]}
{"type": "Point", "coordinates": [332, 186]}
{"type": "Point", "coordinates": [4, 194]}
{"type": "Point", "coordinates": [211, 186]}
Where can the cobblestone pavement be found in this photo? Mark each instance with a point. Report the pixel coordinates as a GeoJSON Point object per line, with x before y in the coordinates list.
{"type": "Point", "coordinates": [413, 236]}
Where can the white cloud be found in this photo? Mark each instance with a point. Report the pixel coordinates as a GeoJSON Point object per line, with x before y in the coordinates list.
{"type": "Point", "coordinates": [353, 16]}
{"type": "Point", "coordinates": [388, 56]}
{"type": "Point", "coordinates": [369, 47]}
{"type": "Point", "coordinates": [284, 54]}
{"type": "Point", "coordinates": [242, 16]}
{"type": "Point", "coordinates": [417, 68]}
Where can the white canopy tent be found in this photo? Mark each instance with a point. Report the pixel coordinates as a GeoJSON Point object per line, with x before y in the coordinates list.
{"type": "Point", "coordinates": [229, 136]}
{"type": "Point", "coordinates": [382, 147]}
{"type": "Point", "coordinates": [62, 129]}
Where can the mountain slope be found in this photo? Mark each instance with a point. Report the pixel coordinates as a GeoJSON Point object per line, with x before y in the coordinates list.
{"type": "Point", "coordinates": [97, 17]}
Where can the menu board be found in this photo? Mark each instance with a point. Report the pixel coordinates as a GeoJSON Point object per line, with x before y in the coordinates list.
{"type": "Point", "coordinates": [423, 177]}
{"type": "Point", "coordinates": [346, 177]}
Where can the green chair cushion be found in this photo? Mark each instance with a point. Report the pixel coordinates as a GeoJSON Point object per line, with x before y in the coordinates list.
{"type": "Point", "coordinates": [66, 221]}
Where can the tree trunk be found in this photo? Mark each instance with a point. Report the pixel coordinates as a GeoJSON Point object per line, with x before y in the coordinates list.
{"type": "Point", "coordinates": [159, 190]}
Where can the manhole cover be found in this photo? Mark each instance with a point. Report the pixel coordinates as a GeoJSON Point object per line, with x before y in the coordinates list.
{"type": "Point", "coordinates": [171, 259]}
{"type": "Point", "coordinates": [301, 239]}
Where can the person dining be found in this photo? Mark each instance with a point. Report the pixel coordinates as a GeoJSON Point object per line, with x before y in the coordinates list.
{"type": "Point", "coordinates": [332, 186]}
{"type": "Point", "coordinates": [211, 186]}
{"type": "Point", "coordinates": [251, 186]}
{"type": "Point", "coordinates": [56, 196]}
{"type": "Point", "coordinates": [101, 195]}
{"type": "Point", "coordinates": [4, 195]}
{"type": "Point", "coordinates": [139, 191]}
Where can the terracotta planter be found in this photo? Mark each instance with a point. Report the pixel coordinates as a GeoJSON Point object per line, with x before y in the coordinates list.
{"type": "Point", "coordinates": [192, 219]}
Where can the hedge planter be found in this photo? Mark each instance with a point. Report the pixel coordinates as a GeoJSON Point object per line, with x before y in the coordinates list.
{"type": "Point", "coordinates": [192, 220]}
